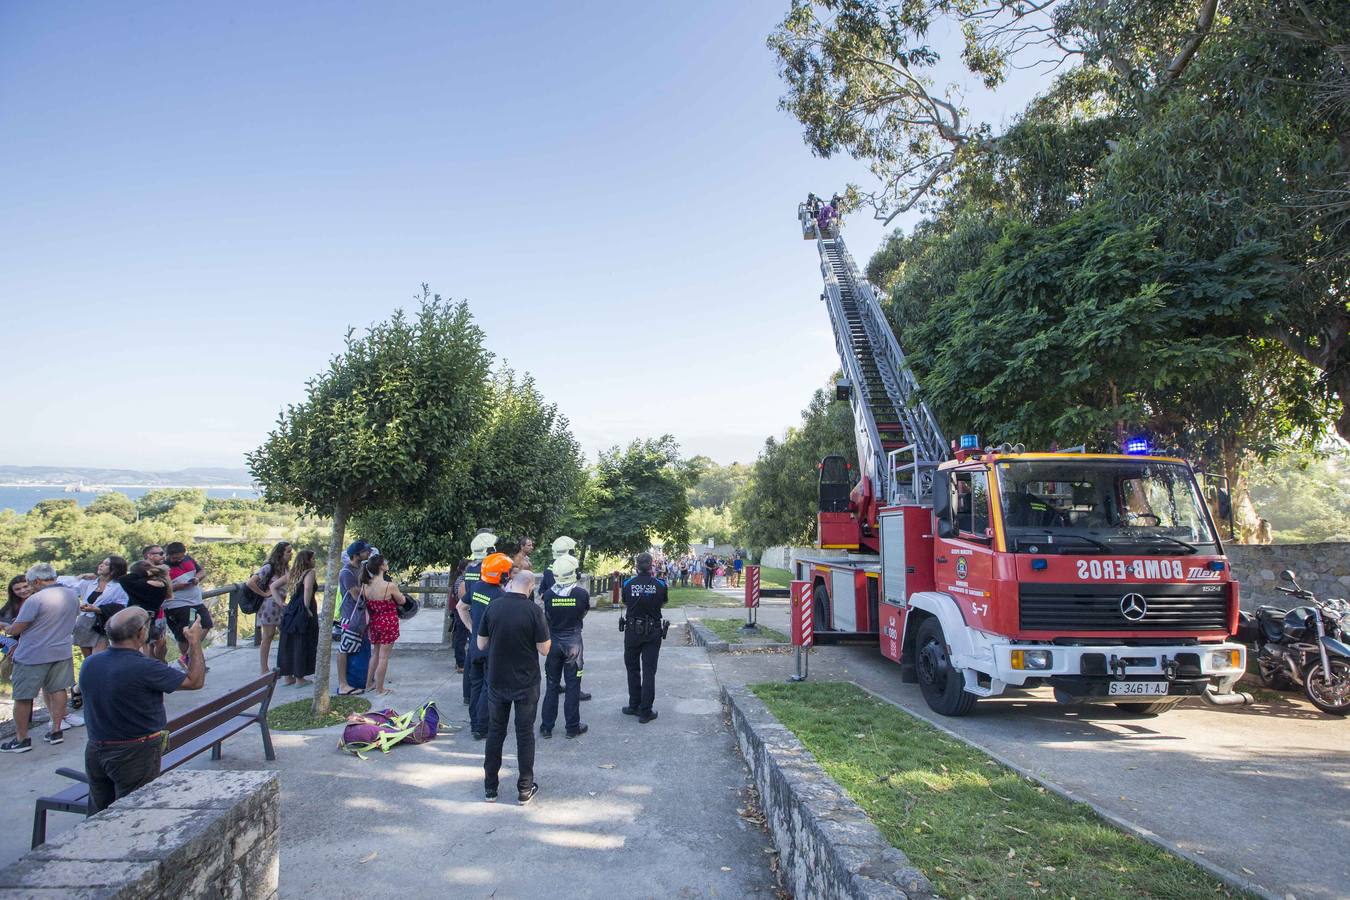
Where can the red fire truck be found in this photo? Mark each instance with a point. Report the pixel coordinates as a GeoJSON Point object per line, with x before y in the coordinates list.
{"type": "Point", "coordinates": [981, 569]}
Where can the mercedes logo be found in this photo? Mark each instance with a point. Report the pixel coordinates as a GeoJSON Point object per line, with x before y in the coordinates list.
{"type": "Point", "coordinates": [1133, 607]}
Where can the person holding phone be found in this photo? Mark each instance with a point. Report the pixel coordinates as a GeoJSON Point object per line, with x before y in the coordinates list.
{"type": "Point", "coordinates": [186, 604]}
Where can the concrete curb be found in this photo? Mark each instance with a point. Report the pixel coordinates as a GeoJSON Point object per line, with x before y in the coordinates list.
{"type": "Point", "coordinates": [827, 846]}
{"type": "Point", "coordinates": [705, 637]}
{"type": "Point", "coordinates": [1230, 878]}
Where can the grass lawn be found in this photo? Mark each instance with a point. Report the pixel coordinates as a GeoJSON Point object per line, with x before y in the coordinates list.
{"type": "Point", "coordinates": [974, 827]}
{"type": "Point", "coordinates": [774, 578]}
{"type": "Point", "coordinates": [729, 630]}
{"type": "Point", "coordinates": [700, 597]}
{"type": "Point", "coordinates": [299, 714]}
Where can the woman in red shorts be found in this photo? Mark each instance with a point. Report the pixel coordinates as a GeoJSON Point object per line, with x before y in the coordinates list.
{"type": "Point", "coordinates": [382, 602]}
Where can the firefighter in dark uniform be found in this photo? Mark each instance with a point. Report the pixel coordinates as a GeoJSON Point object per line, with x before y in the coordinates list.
{"type": "Point", "coordinates": [562, 548]}
{"type": "Point", "coordinates": [491, 577]}
{"type": "Point", "coordinates": [565, 606]}
{"type": "Point", "coordinates": [483, 543]}
{"type": "Point", "coordinates": [644, 595]}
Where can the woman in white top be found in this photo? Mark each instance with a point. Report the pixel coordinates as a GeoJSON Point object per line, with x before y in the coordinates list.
{"type": "Point", "coordinates": [101, 595]}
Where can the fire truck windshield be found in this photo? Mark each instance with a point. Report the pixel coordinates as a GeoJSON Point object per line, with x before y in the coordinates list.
{"type": "Point", "coordinates": [1102, 506]}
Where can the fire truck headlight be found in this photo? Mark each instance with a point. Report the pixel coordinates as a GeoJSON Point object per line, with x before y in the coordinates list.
{"type": "Point", "coordinates": [1223, 660]}
{"type": "Point", "coordinates": [1032, 659]}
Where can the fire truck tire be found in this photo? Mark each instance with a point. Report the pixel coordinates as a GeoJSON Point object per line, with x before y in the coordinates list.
{"type": "Point", "coordinates": [942, 684]}
{"type": "Point", "coordinates": [1147, 709]}
{"type": "Point", "coordinates": [820, 604]}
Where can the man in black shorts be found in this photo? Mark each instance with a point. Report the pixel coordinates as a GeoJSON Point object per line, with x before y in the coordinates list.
{"type": "Point", "coordinates": [186, 603]}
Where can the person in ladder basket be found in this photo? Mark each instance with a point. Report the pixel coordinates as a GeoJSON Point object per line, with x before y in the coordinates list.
{"type": "Point", "coordinates": [483, 543]}
{"type": "Point", "coordinates": [494, 569]}
{"type": "Point", "coordinates": [644, 595]}
{"type": "Point", "coordinates": [565, 605]}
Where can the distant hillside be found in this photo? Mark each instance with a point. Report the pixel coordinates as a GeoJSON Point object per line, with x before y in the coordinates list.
{"type": "Point", "coordinates": [197, 477]}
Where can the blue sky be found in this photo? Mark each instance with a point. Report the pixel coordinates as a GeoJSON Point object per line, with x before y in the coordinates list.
{"type": "Point", "coordinates": [198, 199]}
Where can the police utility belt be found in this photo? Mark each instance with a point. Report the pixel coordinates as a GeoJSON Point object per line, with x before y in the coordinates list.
{"type": "Point", "coordinates": [643, 626]}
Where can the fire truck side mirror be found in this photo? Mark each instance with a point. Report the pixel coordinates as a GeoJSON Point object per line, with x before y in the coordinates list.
{"type": "Point", "coordinates": [945, 529]}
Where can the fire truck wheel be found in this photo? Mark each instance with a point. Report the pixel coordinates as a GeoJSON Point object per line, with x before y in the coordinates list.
{"type": "Point", "coordinates": [1147, 709]}
{"type": "Point", "coordinates": [942, 685]}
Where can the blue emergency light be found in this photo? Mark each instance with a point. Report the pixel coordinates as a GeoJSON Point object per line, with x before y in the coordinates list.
{"type": "Point", "coordinates": [1137, 446]}
{"type": "Point", "coordinates": [970, 442]}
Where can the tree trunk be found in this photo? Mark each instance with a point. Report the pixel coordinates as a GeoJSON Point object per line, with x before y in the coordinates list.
{"type": "Point", "coordinates": [1236, 463]}
{"type": "Point", "coordinates": [331, 598]}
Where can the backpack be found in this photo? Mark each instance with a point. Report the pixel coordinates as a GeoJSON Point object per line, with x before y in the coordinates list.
{"type": "Point", "coordinates": [383, 729]}
{"type": "Point", "coordinates": [247, 602]}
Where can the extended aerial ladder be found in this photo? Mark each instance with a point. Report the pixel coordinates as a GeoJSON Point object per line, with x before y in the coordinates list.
{"type": "Point", "coordinates": [898, 439]}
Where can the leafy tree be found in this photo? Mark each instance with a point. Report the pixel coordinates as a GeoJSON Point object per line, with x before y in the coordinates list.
{"type": "Point", "coordinates": [378, 428]}
{"type": "Point", "coordinates": [779, 504]}
{"type": "Point", "coordinates": [716, 524]}
{"type": "Point", "coordinates": [164, 500]}
{"type": "Point", "coordinates": [114, 503]}
{"type": "Point", "coordinates": [638, 495]}
{"type": "Point", "coordinates": [716, 485]}
{"type": "Point", "coordinates": [1306, 497]}
{"type": "Point", "coordinates": [1234, 141]}
{"type": "Point", "coordinates": [520, 471]}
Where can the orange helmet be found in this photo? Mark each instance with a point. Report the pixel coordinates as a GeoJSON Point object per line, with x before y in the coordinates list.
{"type": "Point", "coordinates": [495, 568]}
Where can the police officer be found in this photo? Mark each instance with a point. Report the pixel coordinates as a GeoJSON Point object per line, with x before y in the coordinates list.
{"type": "Point", "coordinates": [483, 543]}
{"type": "Point", "coordinates": [644, 595]}
{"type": "Point", "coordinates": [492, 571]}
{"type": "Point", "coordinates": [565, 605]}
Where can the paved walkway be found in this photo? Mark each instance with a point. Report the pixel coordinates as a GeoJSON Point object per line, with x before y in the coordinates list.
{"type": "Point", "coordinates": [1261, 791]}
{"type": "Point", "coordinates": [626, 810]}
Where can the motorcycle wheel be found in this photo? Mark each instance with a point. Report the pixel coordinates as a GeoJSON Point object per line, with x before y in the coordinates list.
{"type": "Point", "coordinates": [1334, 698]}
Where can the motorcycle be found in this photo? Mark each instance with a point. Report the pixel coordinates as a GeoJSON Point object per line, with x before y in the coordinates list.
{"type": "Point", "coordinates": [1303, 647]}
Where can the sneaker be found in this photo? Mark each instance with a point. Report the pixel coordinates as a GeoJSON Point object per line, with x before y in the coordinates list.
{"type": "Point", "coordinates": [14, 745]}
{"type": "Point", "coordinates": [545, 732]}
{"type": "Point", "coordinates": [647, 717]}
{"type": "Point", "coordinates": [585, 696]}
{"type": "Point", "coordinates": [73, 720]}
{"type": "Point", "coordinates": [479, 735]}
{"type": "Point", "coordinates": [578, 731]}
{"type": "Point", "coordinates": [528, 794]}
{"type": "Point", "coordinates": [53, 737]}
{"type": "Point", "coordinates": [630, 711]}
{"type": "Point", "coordinates": [490, 795]}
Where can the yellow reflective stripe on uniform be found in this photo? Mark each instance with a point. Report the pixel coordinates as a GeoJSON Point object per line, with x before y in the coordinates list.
{"type": "Point", "coordinates": [481, 598]}
{"type": "Point", "coordinates": [558, 601]}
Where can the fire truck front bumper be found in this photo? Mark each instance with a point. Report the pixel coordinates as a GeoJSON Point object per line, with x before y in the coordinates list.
{"type": "Point", "coordinates": [1117, 673]}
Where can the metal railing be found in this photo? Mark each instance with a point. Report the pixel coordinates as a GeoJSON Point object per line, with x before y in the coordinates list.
{"type": "Point", "coordinates": [233, 613]}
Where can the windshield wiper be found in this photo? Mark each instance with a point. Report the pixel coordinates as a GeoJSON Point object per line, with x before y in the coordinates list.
{"type": "Point", "coordinates": [1140, 538]}
{"type": "Point", "coordinates": [1054, 538]}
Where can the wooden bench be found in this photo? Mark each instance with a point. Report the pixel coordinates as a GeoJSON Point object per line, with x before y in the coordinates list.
{"type": "Point", "coordinates": [190, 734]}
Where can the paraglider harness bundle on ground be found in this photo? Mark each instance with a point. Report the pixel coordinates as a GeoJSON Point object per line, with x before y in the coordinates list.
{"type": "Point", "coordinates": [382, 729]}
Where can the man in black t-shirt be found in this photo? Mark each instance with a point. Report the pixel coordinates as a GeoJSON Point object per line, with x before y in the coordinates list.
{"type": "Point", "coordinates": [644, 595]}
{"type": "Point", "coordinates": [512, 635]}
{"type": "Point", "coordinates": [123, 694]}
{"type": "Point", "coordinates": [565, 606]}
{"type": "Point", "coordinates": [709, 571]}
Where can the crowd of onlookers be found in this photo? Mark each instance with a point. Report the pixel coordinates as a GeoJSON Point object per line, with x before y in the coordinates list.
{"type": "Point", "coordinates": [705, 570]}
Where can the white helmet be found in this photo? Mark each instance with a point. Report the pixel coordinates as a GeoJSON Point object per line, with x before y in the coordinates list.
{"type": "Point", "coordinates": [563, 545]}
{"type": "Point", "coordinates": [482, 543]}
{"type": "Point", "coordinates": [565, 569]}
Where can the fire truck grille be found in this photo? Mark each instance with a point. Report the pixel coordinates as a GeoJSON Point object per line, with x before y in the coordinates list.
{"type": "Point", "coordinates": [1098, 607]}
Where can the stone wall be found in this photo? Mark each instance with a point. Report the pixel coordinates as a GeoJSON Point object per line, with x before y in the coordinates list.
{"type": "Point", "coordinates": [782, 557]}
{"type": "Point", "coordinates": [187, 834]}
{"type": "Point", "coordinates": [1323, 569]}
{"type": "Point", "coordinates": [826, 844]}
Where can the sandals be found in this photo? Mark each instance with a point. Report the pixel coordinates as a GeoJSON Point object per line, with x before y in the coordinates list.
{"type": "Point", "coordinates": [353, 692]}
